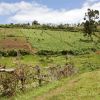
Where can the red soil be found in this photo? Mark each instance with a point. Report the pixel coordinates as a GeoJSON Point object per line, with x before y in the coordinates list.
{"type": "Point", "coordinates": [15, 44]}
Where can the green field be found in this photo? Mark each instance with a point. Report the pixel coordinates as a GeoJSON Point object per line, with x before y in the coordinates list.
{"type": "Point", "coordinates": [82, 86]}
{"type": "Point", "coordinates": [52, 40]}
{"type": "Point", "coordinates": [57, 40]}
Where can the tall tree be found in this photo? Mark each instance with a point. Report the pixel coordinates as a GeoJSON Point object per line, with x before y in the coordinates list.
{"type": "Point", "coordinates": [90, 22]}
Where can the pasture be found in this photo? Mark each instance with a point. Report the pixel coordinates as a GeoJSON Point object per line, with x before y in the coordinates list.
{"type": "Point", "coordinates": [58, 40]}
{"type": "Point", "coordinates": [51, 40]}
{"type": "Point", "coordinates": [86, 60]}
{"type": "Point", "coordinates": [35, 40]}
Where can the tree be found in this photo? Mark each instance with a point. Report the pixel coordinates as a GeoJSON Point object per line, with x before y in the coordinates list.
{"type": "Point", "coordinates": [35, 22]}
{"type": "Point", "coordinates": [90, 22]}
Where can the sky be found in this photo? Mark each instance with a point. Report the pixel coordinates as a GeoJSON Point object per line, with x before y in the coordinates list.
{"type": "Point", "coordinates": [45, 11]}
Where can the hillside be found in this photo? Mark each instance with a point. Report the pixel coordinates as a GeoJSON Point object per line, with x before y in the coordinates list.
{"type": "Point", "coordinates": [80, 87]}
{"type": "Point", "coordinates": [51, 40]}
{"type": "Point", "coordinates": [49, 49]}
{"type": "Point", "coordinates": [61, 47]}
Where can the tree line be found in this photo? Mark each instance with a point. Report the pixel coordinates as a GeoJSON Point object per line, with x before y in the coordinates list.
{"type": "Point", "coordinates": [88, 27]}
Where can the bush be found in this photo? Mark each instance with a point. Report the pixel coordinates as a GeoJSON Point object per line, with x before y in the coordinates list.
{"type": "Point", "coordinates": [8, 84]}
{"type": "Point", "coordinates": [87, 66]}
{"type": "Point", "coordinates": [10, 35]}
{"type": "Point", "coordinates": [47, 52]}
{"type": "Point", "coordinates": [13, 53]}
{"type": "Point", "coordinates": [23, 52]}
{"type": "Point", "coordinates": [64, 52]}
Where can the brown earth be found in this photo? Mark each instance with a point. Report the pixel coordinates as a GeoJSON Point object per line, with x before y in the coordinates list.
{"type": "Point", "coordinates": [98, 52]}
{"type": "Point", "coordinates": [16, 43]}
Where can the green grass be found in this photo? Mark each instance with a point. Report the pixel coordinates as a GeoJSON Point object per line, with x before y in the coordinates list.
{"type": "Point", "coordinates": [51, 40]}
{"type": "Point", "coordinates": [81, 62]}
{"type": "Point", "coordinates": [7, 61]}
{"type": "Point", "coordinates": [84, 86]}
{"type": "Point", "coordinates": [57, 40]}
{"type": "Point", "coordinates": [79, 87]}
{"type": "Point", "coordinates": [7, 32]}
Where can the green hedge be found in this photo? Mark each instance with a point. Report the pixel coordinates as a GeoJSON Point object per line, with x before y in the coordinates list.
{"type": "Point", "coordinates": [64, 52]}
{"type": "Point", "coordinates": [13, 53]}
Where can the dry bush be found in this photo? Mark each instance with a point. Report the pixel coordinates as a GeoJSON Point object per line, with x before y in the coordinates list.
{"type": "Point", "coordinates": [8, 84]}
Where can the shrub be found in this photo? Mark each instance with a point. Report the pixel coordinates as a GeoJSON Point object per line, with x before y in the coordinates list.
{"type": "Point", "coordinates": [13, 53]}
{"type": "Point", "coordinates": [87, 66]}
{"type": "Point", "coordinates": [23, 52]}
{"type": "Point", "coordinates": [46, 52]}
{"type": "Point", "coordinates": [8, 83]}
{"type": "Point", "coordinates": [64, 52]}
{"type": "Point", "coordinates": [10, 35]}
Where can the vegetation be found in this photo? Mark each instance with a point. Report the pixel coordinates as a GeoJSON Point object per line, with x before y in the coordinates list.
{"type": "Point", "coordinates": [90, 25]}
{"type": "Point", "coordinates": [84, 87]}
{"type": "Point", "coordinates": [50, 62]}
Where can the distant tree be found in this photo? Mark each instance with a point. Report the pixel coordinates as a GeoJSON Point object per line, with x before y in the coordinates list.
{"type": "Point", "coordinates": [61, 26]}
{"type": "Point", "coordinates": [28, 24]}
{"type": "Point", "coordinates": [90, 22]}
{"type": "Point", "coordinates": [11, 24]}
{"type": "Point", "coordinates": [35, 22]}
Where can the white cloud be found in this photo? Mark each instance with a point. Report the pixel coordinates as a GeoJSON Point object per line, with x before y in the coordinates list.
{"type": "Point", "coordinates": [89, 2]}
{"type": "Point", "coordinates": [26, 12]}
{"type": "Point", "coordinates": [92, 0]}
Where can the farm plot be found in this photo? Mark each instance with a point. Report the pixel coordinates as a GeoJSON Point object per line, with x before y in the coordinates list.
{"type": "Point", "coordinates": [13, 43]}
{"type": "Point", "coordinates": [51, 40]}
{"type": "Point", "coordinates": [10, 32]}
{"type": "Point", "coordinates": [58, 40]}
{"type": "Point", "coordinates": [14, 39]}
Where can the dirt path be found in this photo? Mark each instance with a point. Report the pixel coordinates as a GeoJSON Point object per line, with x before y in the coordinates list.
{"type": "Point", "coordinates": [70, 88]}
{"type": "Point", "coordinates": [57, 91]}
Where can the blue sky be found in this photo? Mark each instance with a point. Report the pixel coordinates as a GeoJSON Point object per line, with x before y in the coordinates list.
{"type": "Point", "coordinates": [45, 11]}
{"type": "Point", "coordinates": [59, 4]}
{"type": "Point", "coordinates": [56, 4]}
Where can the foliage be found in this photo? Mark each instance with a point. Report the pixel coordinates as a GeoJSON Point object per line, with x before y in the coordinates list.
{"type": "Point", "coordinates": [13, 53]}
{"type": "Point", "coordinates": [87, 66]}
{"type": "Point", "coordinates": [83, 86]}
{"type": "Point", "coordinates": [90, 22]}
{"type": "Point", "coordinates": [35, 22]}
{"type": "Point", "coordinates": [8, 83]}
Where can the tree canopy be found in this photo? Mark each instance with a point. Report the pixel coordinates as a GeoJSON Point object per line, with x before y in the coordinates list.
{"type": "Point", "coordinates": [90, 23]}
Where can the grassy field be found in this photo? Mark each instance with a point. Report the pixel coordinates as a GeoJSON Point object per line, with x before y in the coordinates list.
{"type": "Point", "coordinates": [82, 63]}
{"type": "Point", "coordinates": [51, 40]}
{"type": "Point", "coordinates": [57, 40]}
{"type": "Point", "coordinates": [83, 86]}
{"type": "Point", "coordinates": [79, 87]}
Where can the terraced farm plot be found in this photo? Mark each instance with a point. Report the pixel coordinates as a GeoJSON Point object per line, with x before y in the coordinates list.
{"type": "Point", "coordinates": [10, 32]}
{"type": "Point", "coordinates": [58, 40]}
{"type": "Point", "coordinates": [33, 39]}
{"type": "Point", "coordinates": [13, 43]}
{"type": "Point", "coordinates": [51, 40]}
{"type": "Point", "coordinates": [14, 39]}
{"type": "Point", "coordinates": [29, 39]}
